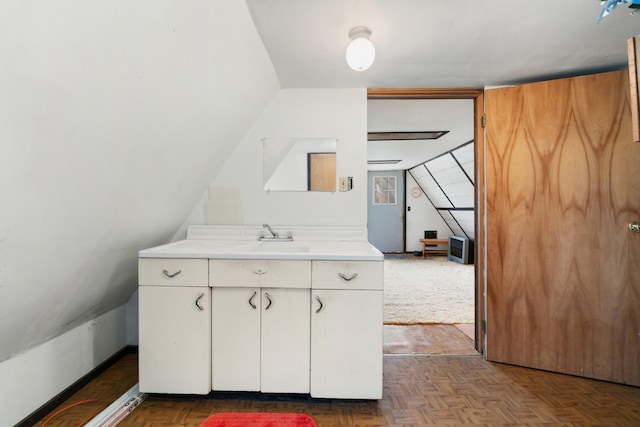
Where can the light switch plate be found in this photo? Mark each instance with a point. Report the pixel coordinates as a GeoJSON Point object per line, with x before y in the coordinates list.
{"type": "Point", "coordinates": [345, 183]}
{"type": "Point", "coordinates": [342, 183]}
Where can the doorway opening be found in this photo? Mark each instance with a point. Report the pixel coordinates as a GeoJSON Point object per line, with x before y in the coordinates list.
{"type": "Point", "coordinates": [410, 235]}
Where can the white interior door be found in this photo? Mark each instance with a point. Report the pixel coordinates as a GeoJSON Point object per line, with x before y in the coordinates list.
{"type": "Point", "coordinates": [385, 221]}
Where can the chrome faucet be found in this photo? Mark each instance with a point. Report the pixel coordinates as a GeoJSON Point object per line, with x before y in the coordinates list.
{"type": "Point", "coordinates": [275, 237]}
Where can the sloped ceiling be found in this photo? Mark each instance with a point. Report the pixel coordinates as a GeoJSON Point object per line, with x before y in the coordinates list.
{"type": "Point", "coordinates": [114, 117]}
{"type": "Point", "coordinates": [448, 183]}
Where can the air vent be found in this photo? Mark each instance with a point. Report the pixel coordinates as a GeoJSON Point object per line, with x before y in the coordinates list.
{"type": "Point", "coordinates": [404, 136]}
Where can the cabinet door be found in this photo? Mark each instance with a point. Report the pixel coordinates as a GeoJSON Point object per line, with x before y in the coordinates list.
{"type": "Point", "coordinates": [346, 344]}
{"type": "Point", "coordinates": [285, 351]}
{"type": "Point", "coordinates": [175, 339]}
{"type": "Point", "coordinates": [235, 339]}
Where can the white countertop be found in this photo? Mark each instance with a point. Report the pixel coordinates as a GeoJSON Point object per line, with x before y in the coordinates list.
{"type": "Point", "coordinates": [255, 249]}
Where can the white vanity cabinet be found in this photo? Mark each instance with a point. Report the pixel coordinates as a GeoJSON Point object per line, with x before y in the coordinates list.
{"type": "Point", "coordinates": [225, 314]}
{"type": "Point", "coordinates": [260, 325]}
{"type": "Point", "coordinates": [175, 326]}
{"type": "Point", "coordinates": [346, 329]}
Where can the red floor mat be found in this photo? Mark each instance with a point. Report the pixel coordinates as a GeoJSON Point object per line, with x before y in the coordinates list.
{"type": "Point", "coordinates": [258, 419]}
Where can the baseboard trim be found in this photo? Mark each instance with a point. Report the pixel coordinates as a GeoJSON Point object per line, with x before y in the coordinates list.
{"type": "Point", "coordinates": [42, 411]}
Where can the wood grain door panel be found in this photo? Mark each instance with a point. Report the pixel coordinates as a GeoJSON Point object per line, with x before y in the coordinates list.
{"type": "Point", "coordinates": [563, 269]}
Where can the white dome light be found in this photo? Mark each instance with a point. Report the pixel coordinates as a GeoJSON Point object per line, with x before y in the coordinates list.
{"type": "Point", "coordinates": [360, 52]}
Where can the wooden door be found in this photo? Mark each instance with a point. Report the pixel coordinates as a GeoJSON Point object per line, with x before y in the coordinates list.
{"type": "Point", "coordinates": [285, 353]}
{"type": "Point", "coordinates": [235, 339]}
{"type": "Point", "coordinates": [563, 267]}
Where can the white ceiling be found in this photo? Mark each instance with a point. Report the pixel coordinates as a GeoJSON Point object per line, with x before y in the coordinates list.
{"type": "Point", "coordinates": [395, 115]}
{"type": "Point", "coordinates": [435, 44]}
{"type": "Point", "coordinates": [429, 43]}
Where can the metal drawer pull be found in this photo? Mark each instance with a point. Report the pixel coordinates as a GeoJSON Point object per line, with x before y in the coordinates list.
{"type": "Point", "coordinates": [259, 272]}
{"type": "Point", "coordinates": [268, 297]}
{"type": "Point", "coordinates": [251, 300]}
{"type": "Point", "coordinates": [353, 276]}
{"type": "Point", "coordinates": [319, 302]}
{"type": "Point", "coordinates": [169, 275]}
{"type": "Point", "coordinates": [198, 302]}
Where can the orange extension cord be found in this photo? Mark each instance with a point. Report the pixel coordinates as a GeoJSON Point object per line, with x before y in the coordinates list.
{"type": "Point", "coordinates": [58, 412]}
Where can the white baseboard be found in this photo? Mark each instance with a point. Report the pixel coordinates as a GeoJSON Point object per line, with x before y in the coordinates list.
{"type": "Point", "coordinates": [31, 379]}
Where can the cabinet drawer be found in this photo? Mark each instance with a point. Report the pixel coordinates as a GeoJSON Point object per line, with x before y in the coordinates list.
{"type": "Point", "coordinates": [347, 275]}
{"type": "Point", "coordinates": [260, 273]}
{"type": "Point", "coordinates": [173, 271]}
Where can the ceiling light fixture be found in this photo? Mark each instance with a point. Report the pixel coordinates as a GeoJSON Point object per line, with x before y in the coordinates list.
{"type": "Point", "coordinates": [360, 52]}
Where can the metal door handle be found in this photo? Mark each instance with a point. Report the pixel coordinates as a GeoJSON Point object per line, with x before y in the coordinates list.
{"type": "Point", "coordinates": [198, 302]}
{"type": "Point", "coordinates": [353, 276]}
{"type": "Point", "coordinates": [319, 302]}
{"type": "Point", "coordinates": [171, 275]}
{"type": "Point", "coordinates": [635, 227]}
{"type": "Point", "coordinates": [259, 272]}
{"type": "Point", "coordinates": [268, 297]}
{"type": "Point", "coordinates": [251, 300]}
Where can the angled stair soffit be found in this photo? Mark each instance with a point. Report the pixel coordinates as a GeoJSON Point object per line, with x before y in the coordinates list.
{"type": "Point", "coordinates": [447, 181]}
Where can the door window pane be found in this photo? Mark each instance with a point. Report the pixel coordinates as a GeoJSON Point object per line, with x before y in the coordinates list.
{"type": "Point", "coordinates": [384, 190]}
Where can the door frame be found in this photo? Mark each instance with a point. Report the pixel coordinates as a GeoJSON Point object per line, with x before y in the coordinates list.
{"type": "Point", "coordinates": [480, 252]}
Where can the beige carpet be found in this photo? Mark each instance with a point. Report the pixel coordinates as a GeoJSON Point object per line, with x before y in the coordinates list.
{"type": "Point", "coordinates": [427, 290]}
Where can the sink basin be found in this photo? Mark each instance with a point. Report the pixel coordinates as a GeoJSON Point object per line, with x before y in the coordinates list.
{"type": "Point", "coordinates": [281, 248]}
{"type": "Point", "coordinates": [270, 248]}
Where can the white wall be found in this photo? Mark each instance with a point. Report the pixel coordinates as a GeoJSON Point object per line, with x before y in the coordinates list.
{"type": "Point", "coordinates": [30, 380]}
{"type": "Point", "coordinates": [236, 195]}
{"type": "Point", "coordinates": [422, 216]}
{"type": "Point", "coordinates": [132, 319]}
{"type": "Point", "coordinates": [114, 118]}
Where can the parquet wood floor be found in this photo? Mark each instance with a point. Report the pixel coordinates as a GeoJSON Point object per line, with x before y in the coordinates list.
{"type": "Point", "coordinates": [426, 339]}
{"type": "Point", "coordinates": [419, 390]}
